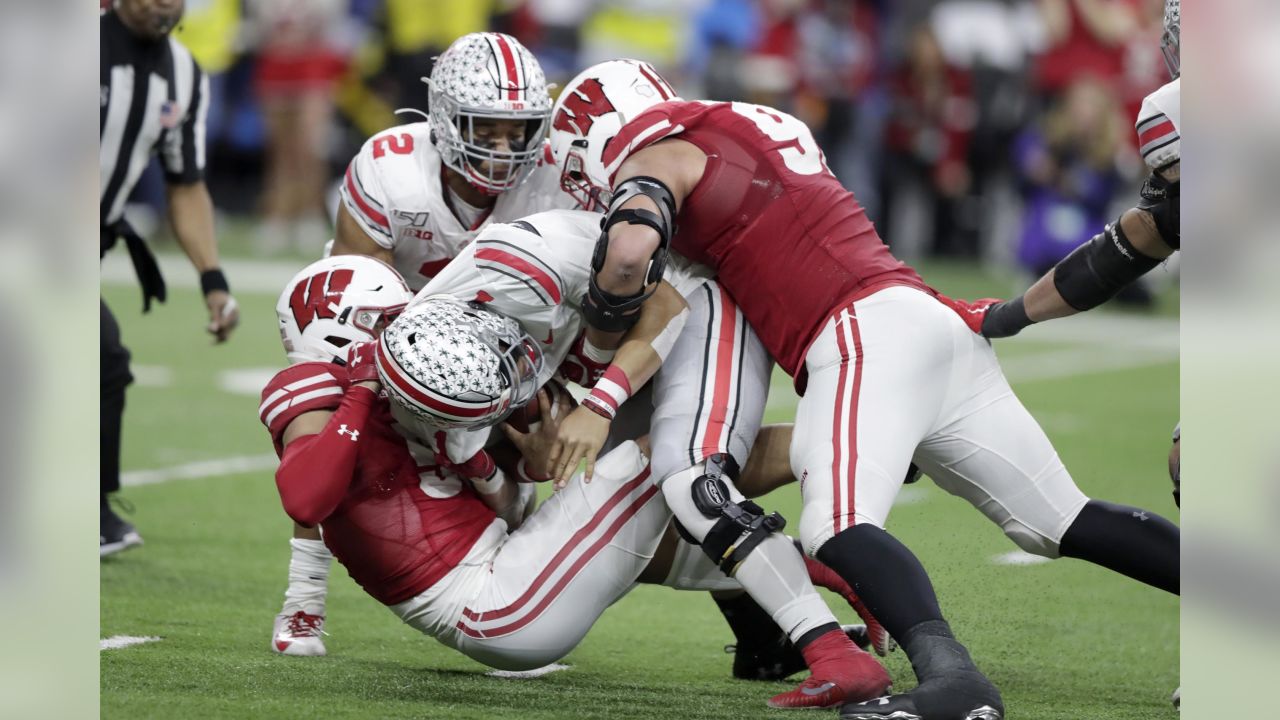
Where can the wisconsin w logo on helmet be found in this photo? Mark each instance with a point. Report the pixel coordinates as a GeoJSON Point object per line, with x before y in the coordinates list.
{"type": "Point", "coordinates": [581, 106]}
{"type": "Point", "coordinates": [319, 297]}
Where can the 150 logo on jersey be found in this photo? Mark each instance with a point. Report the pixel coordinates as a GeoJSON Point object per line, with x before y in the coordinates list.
{"type": "Point", "coordinates": [319, 297]}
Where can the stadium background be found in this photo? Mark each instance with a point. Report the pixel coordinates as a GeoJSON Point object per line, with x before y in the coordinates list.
{"type": "Point", "coordinates": [985, 138]}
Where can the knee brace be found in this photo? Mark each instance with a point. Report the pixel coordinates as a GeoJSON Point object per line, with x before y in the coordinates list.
{"type": "Point", "coordinates": [739, 526]}
{"type": "Point", "coordinates": [1094, 272]}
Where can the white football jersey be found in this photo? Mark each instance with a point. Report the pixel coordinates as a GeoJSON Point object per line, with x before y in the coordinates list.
{"type": "Point", "coordinates": [395, 191]}
{"type": "Point", "coordinates": [1159, 120]}
{"type": "Point", "coordinates": [536, 271]}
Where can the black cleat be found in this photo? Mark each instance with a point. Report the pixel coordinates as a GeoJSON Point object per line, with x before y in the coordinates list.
{"type": "Point", "coordinates": [778, 659]}
{"type": "Point", "coordinates": [114, 534]}
{"type": "Point", "coordinates": [951, 698]}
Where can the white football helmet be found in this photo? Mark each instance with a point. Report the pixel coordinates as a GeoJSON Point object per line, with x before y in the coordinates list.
{"type": "Point", "coordinates": [1171, 40]}
{"type": "Point", "coordinates": [456, 365]}
{"type": "Point", "coordinates": [337, 301]}
{"type": "Point", "coordinates": [487, 76]}
{"type": "Point", "coordinates": [589, 113]}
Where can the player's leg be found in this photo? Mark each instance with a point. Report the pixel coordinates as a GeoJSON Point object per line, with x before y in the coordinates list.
{"type": "Point", "coordinates": [708, 402]}
{"type": "Point", "coordinates": [574, 557]}
{"type": "Point", "coordinates": [992, 452]}
{"type": "Point", "coordinates": [878, 375]}
{"type": "Point", "coordinates": [114, 534]}
{"type": "Point", "coordinates": [299, 627]}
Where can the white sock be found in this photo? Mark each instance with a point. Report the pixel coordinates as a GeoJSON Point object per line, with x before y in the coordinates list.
{"type": "Point", "coordinates": [691, 569]}
{"type": "Point", "coordinates": [308, 576]}
{"type": "Point", "coordinates": [775, 577]}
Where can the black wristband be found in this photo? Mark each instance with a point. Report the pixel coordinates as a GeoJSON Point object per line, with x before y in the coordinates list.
{"type": "Point", "coordinates": [1005, 319]}
{"type": "Point", "coordinates": [212, 280]}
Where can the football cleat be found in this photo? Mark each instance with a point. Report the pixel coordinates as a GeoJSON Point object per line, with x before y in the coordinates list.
{"type": "Point", "coordinates": [1177, 699]}
{"type": "Point", "coordinates": [963, 696]}
{"type": "Point", "coordinates": [298, 634]}
{"type": "Point", "coordinates": [114, 534]}
{"type": "Point", "coordinates": [780, 660]}
{"type": "Point", "coordinates": [868, 680]}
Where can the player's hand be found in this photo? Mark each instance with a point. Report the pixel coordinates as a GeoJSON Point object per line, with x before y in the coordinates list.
{"type": "Point", "coordinates": [361, 367]}
{"type": "Point", "coordinates": [973, 313]}
{"type": "Point", "coordinates": [224, 314]}
{"type": "Point", "coordinates": [580, 436]}
{"type": "Point", "coordinates": [535, 446]}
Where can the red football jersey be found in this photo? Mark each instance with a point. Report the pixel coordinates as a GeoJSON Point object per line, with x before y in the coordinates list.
{"type": "Point", "coordinates": [394, 538]}
{"type": "Point", "coordinates": [783, 235]}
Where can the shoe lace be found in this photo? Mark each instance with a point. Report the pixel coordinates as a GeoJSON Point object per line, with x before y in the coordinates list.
{"type": "Point", "coordinates": [302, 624]}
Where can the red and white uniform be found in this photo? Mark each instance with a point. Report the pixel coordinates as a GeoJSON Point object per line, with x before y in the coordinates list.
{"type": "Point", "coordinates": [709, 395]}
{"type": "Point", "coordinates": [394, 188]}
{"type": "Point", "coordinates": [417, 537]}
{"type": "Point", "coordinates": [781, 233]}
{"type": "Point", "coordinates": [1159, 138]}
{"type": "Point", "coordinates": [403, 522]}
{"type": "Point", "coordinates": [891, 372]}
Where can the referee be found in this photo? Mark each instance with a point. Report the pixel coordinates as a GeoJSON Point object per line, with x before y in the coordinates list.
{"type": "Point", "coordinates": [154, 99]}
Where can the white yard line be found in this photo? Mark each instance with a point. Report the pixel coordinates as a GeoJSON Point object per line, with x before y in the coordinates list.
{"type": "Point", "coordinates": [115, 642]}
{"type": "Point", "coordinates": [200, 469]}
{"type": "Point", "coordinates": [527, 674]}
{"type": "Point", "coordinates": [1018, 557]}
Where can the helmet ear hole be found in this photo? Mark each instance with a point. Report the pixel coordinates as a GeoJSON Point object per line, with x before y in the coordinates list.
{"type": "Point", "coordinates": [338, 342]}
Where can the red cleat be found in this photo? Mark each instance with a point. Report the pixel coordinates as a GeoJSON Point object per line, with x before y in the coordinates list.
{"type": "Point", "coordinates": [841, 673]}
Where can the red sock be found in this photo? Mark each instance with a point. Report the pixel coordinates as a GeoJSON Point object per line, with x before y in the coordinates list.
{"type": "Point", "coordinates": [829, 654]}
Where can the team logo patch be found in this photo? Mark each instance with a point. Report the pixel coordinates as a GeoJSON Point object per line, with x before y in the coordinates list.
{"type": "Point", "coordinates": [318, 297]}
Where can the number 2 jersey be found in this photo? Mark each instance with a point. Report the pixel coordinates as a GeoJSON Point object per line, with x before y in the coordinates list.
{"type": "Point", "coordinates": [404, 521]}
{"type": "Point", "coordinates": [779, 230]}
{"type": "Point", "coordinates": [394, 189]}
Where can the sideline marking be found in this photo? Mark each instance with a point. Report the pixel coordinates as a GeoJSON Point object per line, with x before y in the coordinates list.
{"type": "Point", "coordinates": [200, 469]}
{"type": "Point", "coordinates": [115, 642]}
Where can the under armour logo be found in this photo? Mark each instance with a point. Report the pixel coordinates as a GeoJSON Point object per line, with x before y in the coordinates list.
{"type": "Point", "coordinates": [1140, 514]}
{"type": "Point", "coordinates": [355, 434]}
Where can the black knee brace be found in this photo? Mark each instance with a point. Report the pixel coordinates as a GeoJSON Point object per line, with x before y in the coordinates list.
{"type": "Point", "coordinates": [615, 313]}
{"type": "Point", "coordinates": [739, 527]}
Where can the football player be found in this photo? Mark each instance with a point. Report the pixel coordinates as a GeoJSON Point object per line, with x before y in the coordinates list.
{"type": "Point", "coordinates": [429, 538]}
{"type": "Point", "coordinates": [414, 196]}
{"type": "Point", "coordinates": [1142, 238]}
{"type": "Point", "coordinates": [707, 402]}
{"type": "Point", "coordinates": [887, 372]}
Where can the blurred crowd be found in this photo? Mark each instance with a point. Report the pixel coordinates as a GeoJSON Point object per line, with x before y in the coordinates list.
{"type": "Point", "coordinates": [992, 129]}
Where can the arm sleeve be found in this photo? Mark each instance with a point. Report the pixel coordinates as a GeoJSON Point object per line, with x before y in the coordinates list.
{"type": "Point", "coordinates": [183, 147]}
{"type": "Point", "coordinates": [296, 390]}
{"type": "Point", "coordinates": [317, 469]}
{"type": "Point", "coordinates": [364, 198]}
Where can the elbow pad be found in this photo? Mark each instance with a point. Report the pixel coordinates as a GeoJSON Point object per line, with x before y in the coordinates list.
{"type": "Point", "coordinates": [604, 310]}
{"type": "Point", "coordinates": [1094, 272]}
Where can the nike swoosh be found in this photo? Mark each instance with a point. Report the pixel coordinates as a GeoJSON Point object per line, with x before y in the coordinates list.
{"type": "Point", "coordinates": [818, 690]}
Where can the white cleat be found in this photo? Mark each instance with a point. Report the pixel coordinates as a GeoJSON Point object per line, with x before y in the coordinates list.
{"type": "Point", "coordinates": [298, 634]}
{"type": "Point", "coordinates": [1177, 698]}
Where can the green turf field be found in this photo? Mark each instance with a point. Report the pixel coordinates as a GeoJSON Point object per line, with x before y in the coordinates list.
{"type": "Point", "coordinates": [1063, 640]}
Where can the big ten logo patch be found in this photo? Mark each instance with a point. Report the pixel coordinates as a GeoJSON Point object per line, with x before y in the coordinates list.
{"type": "Point", "coordinates": [414, 224]}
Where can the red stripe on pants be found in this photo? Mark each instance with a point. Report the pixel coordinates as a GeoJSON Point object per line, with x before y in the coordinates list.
{"type": "Point", "coordinates": [714, 435]}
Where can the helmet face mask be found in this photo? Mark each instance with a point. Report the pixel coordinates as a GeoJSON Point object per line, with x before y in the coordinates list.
{"type": "Point", "coordinates": [451, 364]}
{"type": "Point", "coordinates": [1171, 39]}
{"type": "Point", "coordinates": [488, 79]}
{"type": "Point", "coordinates": [335, 302]}
{"type": "Point", "coordinates": [591, 110]}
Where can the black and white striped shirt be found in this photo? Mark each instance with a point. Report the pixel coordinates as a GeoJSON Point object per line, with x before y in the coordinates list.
{"type": "Point", "coordinates": [154, 98]}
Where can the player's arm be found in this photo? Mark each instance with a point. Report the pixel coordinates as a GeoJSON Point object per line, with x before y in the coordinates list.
{"type": "Point", "coordinates": [500, 492]}
{"type": "Point", "coordinates": [350, 239]}
{"type": "Point", "coordinates": [319, 457]}
{"type": "Point", "coordinates": [630, 256]}
{"type": "Point", "coordinates": [660, 319]}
